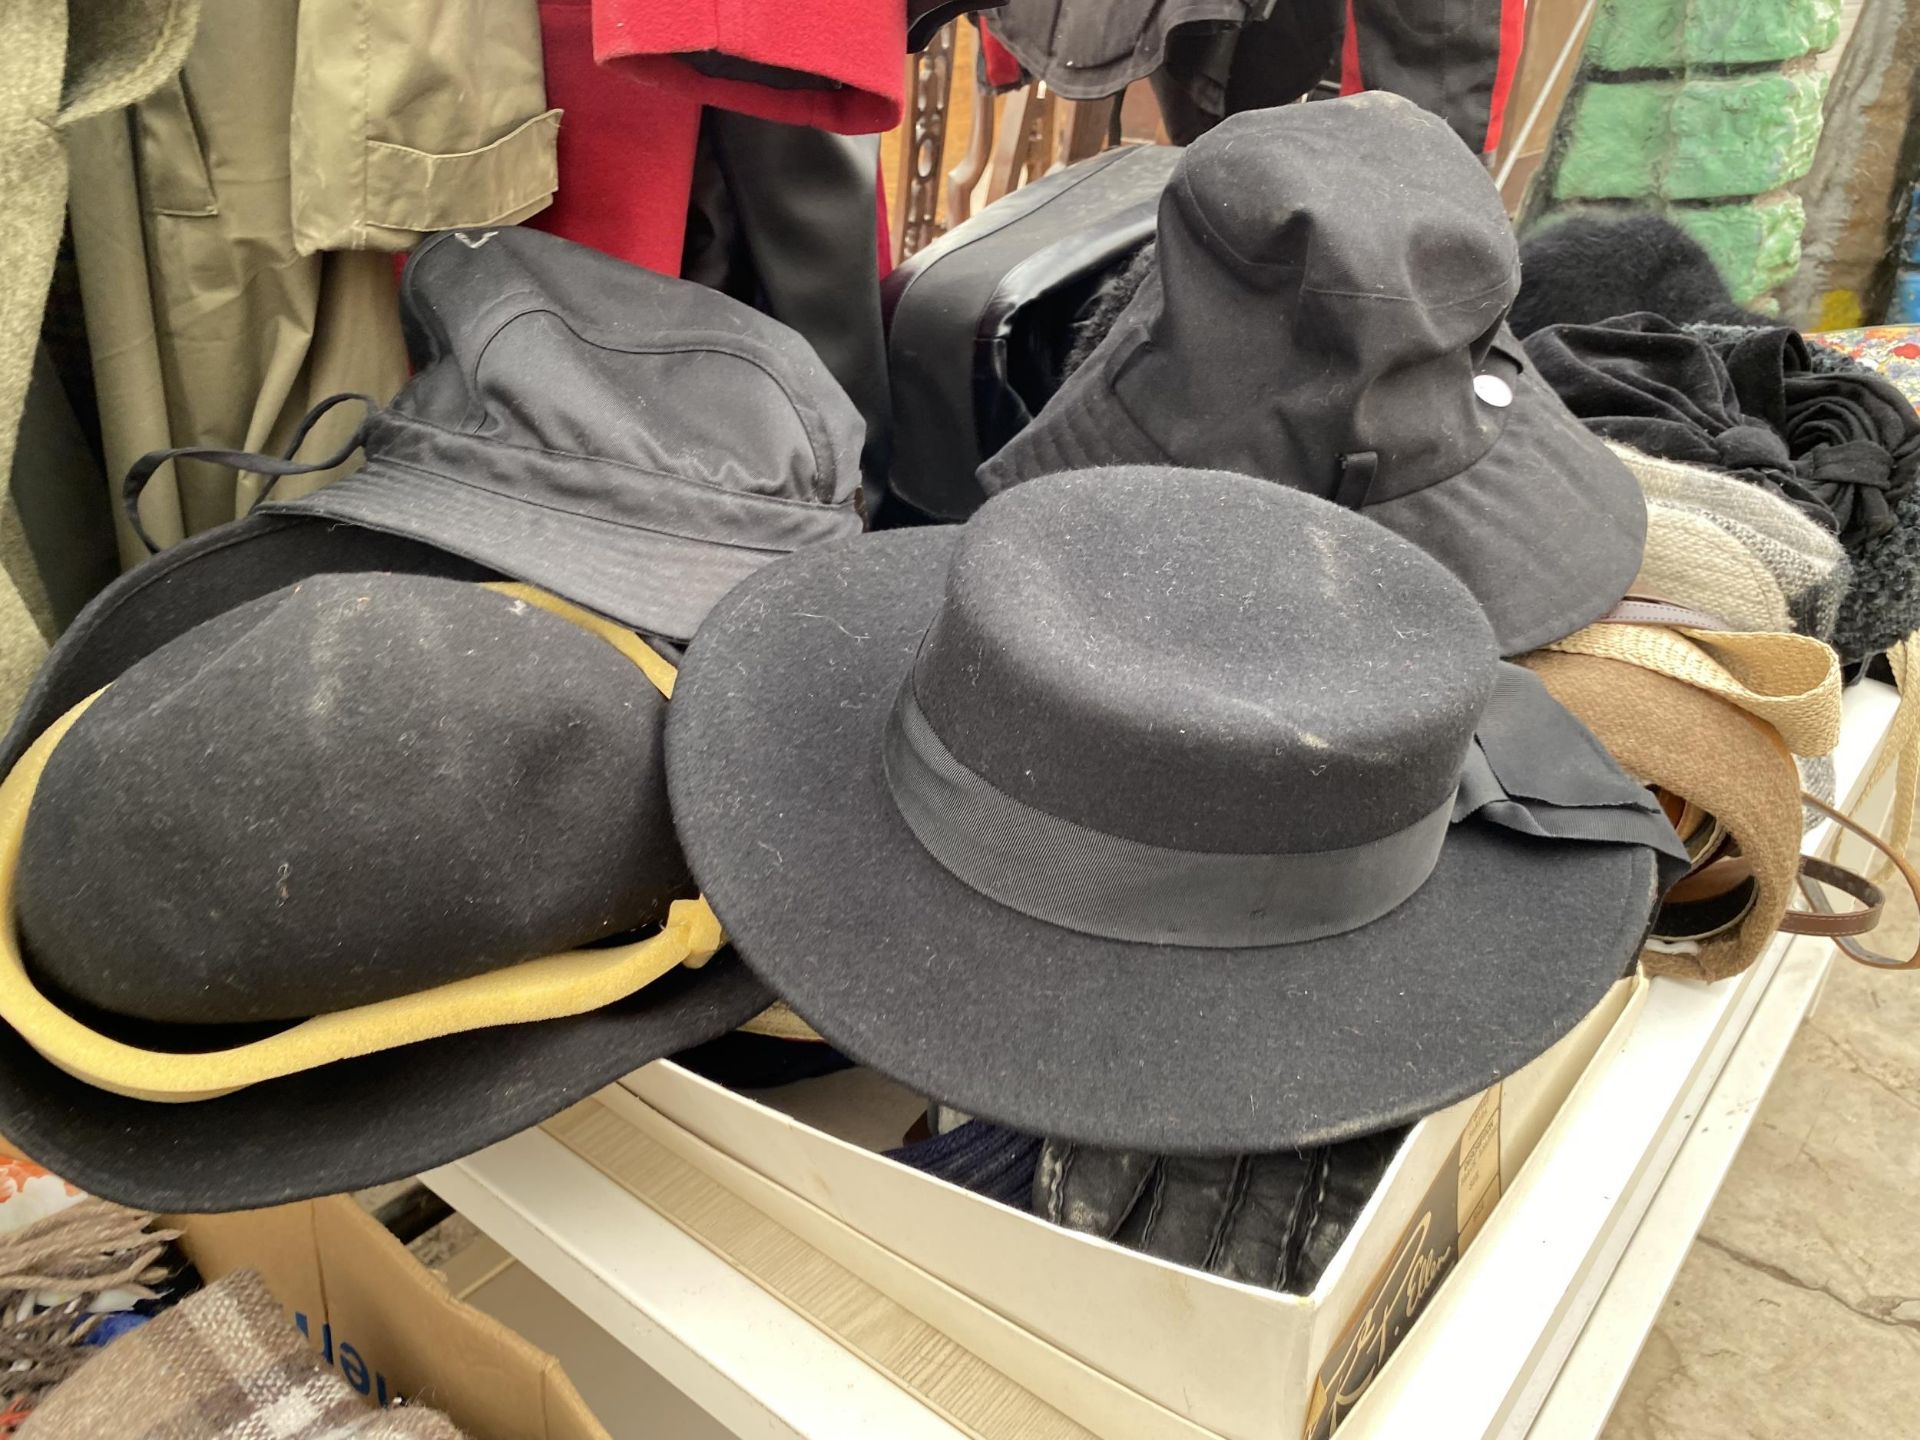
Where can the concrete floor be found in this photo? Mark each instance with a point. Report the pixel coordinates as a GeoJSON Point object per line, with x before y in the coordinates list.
{"type": "Point", "coordinates": [1798, 1311]}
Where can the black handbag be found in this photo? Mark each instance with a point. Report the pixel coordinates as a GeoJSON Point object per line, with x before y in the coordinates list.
{"type": "Point", "coordinates": [979, 322]}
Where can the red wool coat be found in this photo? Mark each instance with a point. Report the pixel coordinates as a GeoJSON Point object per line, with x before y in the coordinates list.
{"type": "Point", "coordinates": [627, 140]}
{"type": "Point", "coordinates": [856, 45]}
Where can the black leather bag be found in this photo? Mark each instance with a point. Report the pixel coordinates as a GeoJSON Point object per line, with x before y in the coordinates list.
{"type": "Point", "coordinates": [979, 322]}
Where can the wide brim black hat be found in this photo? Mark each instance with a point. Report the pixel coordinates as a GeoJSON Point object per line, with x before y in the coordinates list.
{"type": "Point", "coordinates": [360, 1122]}
{"type": "Point", "coordinates": [353, 1123]}
{"type": "Point", "coordinates": [774, 742]}
{"type": "Point", "coordinates": [1546, 528]}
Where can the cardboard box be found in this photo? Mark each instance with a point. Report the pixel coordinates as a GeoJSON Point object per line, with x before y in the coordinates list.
{"type": "Point", "coordinates": [387, 1324]}
{"type": "Point", "coordinates": [634, 1401]}
{"type": "Point", "coordinates": [1090, 1329]}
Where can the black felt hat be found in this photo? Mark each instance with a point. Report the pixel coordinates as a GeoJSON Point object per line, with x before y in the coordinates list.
{"type": "Point", "coordinates": [314, 895]}
{"type": "Point", "coordinates": [1327, 312]}
{"type": "Point", "coordinates": [1192, 814]}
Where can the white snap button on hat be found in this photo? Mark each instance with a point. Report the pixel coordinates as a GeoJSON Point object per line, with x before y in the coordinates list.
{"type": "Point", "coordinates": [1493, 390]}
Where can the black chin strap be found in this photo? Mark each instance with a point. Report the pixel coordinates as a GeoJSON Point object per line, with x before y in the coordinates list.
{"type": "Point", "coordinates": [273, 467]}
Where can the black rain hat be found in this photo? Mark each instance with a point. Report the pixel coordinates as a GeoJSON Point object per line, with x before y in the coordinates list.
{"type": "Point", "coordinates": [594, 427]}
{"type": "Point", "coordinates": [313, 897]}
{"type": "Point", "coordinates": [1327, 311]}
{"type": "Point", "coordinates": [1192, 814]}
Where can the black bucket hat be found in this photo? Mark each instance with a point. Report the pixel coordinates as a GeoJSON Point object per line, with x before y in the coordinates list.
{"type": "Point", "coordinates": [1327, 312]}
{"type": "Point", "coordinates": [314, 896]}
{"type": "Point", "coordinates": [1193, 814]}
{"type": "Point", "coordinates": [592, 426]}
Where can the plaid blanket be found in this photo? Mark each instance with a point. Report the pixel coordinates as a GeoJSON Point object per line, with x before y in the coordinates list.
{"type": "Point", "coordinates": [225, 1364]}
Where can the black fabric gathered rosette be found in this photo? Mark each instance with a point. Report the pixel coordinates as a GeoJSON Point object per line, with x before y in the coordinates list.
{"type": "Point", "coordinates": [1841, 447]}
{"type": "Point", "coordinates": [1854, 438]}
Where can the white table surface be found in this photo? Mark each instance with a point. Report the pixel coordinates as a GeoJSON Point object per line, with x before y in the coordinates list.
{"type": "Point", "coordinates": [1532, 1335]}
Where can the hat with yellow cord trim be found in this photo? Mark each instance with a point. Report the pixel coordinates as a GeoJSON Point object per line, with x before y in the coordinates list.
{"type": "Point", "coordinates": [342, 883]}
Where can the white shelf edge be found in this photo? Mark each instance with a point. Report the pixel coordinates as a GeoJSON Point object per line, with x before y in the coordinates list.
{"type": "Point", "coordinates": [759, 1368]}
{"type": "Point", "coordinates": [1486, 1352]}
{"type": "Point", "coordinates": [1579, 1398]}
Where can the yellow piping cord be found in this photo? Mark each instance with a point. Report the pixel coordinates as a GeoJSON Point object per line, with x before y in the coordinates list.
{"type": "Point", "coordinates": [571, 983]}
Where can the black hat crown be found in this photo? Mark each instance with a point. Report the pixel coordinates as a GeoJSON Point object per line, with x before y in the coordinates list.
{"type": "Point", "coordinates": [1183, 664]}
{"type": "Point", "coordinates": [349, 790]}
{"type": "Point", "coordinates": [1309, 318]}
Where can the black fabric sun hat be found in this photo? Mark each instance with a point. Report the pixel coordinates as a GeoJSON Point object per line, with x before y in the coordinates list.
{"type": "Point", "coordinates": [592, 426]}
{"type": "Point", "coordinates": [1327, 312]}
{"type": "Point", "coordinates": [326, 891]}
{"type": "Point", "coordinates": [1194, 814]}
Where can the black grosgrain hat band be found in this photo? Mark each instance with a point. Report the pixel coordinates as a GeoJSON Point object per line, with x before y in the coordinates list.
{"type": "Point", "coordinates": [1096, 883]}
{"type": "Point", "coordinates": [1101, 884]}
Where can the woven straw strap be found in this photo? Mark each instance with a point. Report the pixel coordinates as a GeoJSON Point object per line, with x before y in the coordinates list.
{"type": "Point", "coordinates": [1900, 752]}
{"type": "Point", "coordinates": [1792, 682]}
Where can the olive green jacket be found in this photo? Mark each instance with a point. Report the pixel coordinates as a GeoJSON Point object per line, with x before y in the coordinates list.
{"type": "Point", "coordinates": [233, 229]}
{"type": "Point", "coordinates": [65, 61]}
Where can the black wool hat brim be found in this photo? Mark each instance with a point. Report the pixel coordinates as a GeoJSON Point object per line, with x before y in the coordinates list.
{"type": "Point", "coordinates": [358, 1122]}
{"type": "Point", "coordinates": [346, 1126]}
{"type": "Point", "coordinates": [773, 761]}
{"type": "Point", "coordinates": [1547, 529]}
{"type": "Point", "coordinates": [192, 582]}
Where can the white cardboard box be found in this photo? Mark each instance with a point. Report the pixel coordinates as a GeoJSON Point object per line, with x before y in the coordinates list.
{"type": "Point", "coordinates": [1116, 1341]}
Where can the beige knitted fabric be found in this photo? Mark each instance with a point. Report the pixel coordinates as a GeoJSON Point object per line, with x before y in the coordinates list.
{"type": "Point", "coordinates": [225, 1364]}
{"type": "Point", "coordinates": [1736, 551]}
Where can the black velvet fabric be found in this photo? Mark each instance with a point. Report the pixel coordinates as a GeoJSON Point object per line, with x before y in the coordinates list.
{"type": "Point", "coordinates": [1843, 448]}
{"type": "Point", "coordinates": [774, 742]}
{"type": "Point", "coordinates": [1586, 269]}
{"type": "Point", "coordinates": [354, 788]}
{"type": "Point", "coordinates": [1882, 605]}
{"type": "Point", "coordinates": [1854, 438]}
